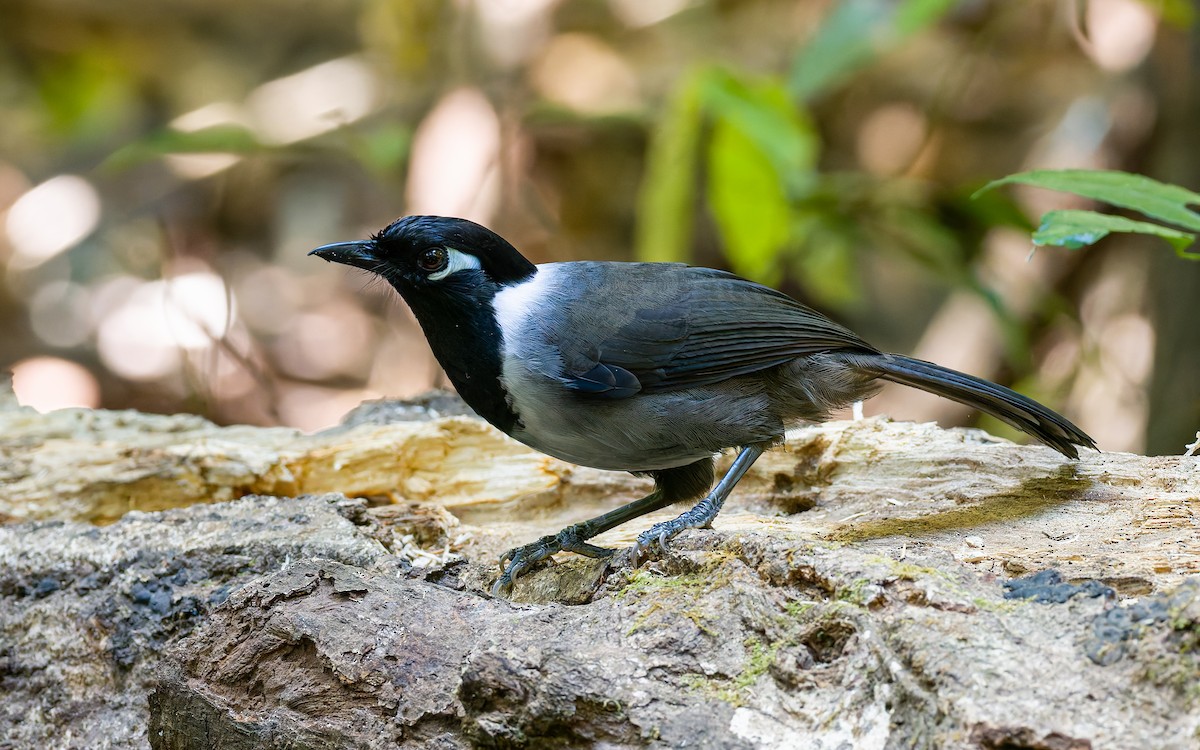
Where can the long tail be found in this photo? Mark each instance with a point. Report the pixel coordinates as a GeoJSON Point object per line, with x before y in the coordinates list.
{"type": "Point", "coordinates": [1004, 404]}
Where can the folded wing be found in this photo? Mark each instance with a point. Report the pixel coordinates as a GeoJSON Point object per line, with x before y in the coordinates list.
{"type": "Point", "coordinates": [714, 327]}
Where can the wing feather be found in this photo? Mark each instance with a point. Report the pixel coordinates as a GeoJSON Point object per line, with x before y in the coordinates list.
{"type": "Point", "coordinates": [713, 326]}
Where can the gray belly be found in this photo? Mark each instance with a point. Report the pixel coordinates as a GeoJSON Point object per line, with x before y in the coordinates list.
{"type": "Point", "coordinates": [641, 433]}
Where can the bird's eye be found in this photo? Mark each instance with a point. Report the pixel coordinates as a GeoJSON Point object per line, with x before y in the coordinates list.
{"type": "Point", "coordinates": [433, 259]}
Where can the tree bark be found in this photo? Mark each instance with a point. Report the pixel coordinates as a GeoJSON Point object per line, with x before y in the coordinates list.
{"type": "Point", "coordinates": [852, 594]}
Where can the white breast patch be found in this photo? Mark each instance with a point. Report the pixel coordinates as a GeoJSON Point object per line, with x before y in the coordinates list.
{"type": "Point", "coordinates": [514, 303]}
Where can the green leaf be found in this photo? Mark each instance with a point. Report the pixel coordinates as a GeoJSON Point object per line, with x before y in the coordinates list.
{"type": "Point", "coordinates": [764, 113]}
{"type": "Point", "coordinates": [912, 16]}
{"type": "Point", "coordinates": [1179, 13]}
{"type": "Point", "coordinates": [824, 263]}
{"type": "Point", "coordinates": [216, 139]}
{"type": "Point", "coordinates": [852, 35]}
{"type": "Point", "coordinates": [1136, 192]}
{"type": "Point", "coordinates": [748, 201]}
{"type": "Point", "coordinates": [842, 44]}
{"type": "Point", "coordinates": [992, 209]}
{"type": "Point", "coordinates": [383, 148]}
{"type": "Point", "coordinates": [761, 158]}
{"type": "Point", "coordinates": [87, 94]}
{"type": "Point", "coordinates": [666, 198]}
{"type": "Point", "coordinates": [1075, 229]}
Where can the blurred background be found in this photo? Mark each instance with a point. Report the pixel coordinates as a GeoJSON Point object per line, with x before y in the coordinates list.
{"type": "Point", "coordinates": [165, 167]}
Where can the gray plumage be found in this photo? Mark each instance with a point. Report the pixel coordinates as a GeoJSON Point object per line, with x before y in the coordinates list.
{"type": "Point", "coordinates": [696, 342]}
{"type": "Point", "coordinates": [716, 361]}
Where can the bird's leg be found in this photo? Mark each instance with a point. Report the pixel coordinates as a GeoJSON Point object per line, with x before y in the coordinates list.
{"type": "Point", "coordinates": [574, 538]}
{"type": "Point", "coordinates": [654, 540]}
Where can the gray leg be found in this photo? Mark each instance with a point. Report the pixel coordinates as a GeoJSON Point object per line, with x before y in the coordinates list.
{"type": "Point", "coordinates": [574, 538]}
{"type": "Point", "coordinates": [654, 540]}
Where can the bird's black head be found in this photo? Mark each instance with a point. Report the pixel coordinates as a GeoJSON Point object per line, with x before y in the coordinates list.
{"type": "Point", "coordinates": [449, 272]}
{"type": "Point", "coordinates": [424, 255]}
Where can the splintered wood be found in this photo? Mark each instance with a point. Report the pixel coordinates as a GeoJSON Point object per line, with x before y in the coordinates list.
{"type": "Point", "coordinates": [875, 482]}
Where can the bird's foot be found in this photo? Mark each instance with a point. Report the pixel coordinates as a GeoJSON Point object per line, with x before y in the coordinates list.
{"type": "Point", "coordinates": [653, 541]}
{"type": "Point", "coordinates": [520, 559]}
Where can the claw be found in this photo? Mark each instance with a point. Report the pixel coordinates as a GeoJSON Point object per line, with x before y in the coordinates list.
{"type": "Point", "coordinates": [501, 587]}
{"type": "Point", "coordinates": [635, 555]}
{"type": "Point", "coordinates": [656, 540]}
{"type": "Point", "coordinates": [517, 560]}
{"type": "Point", "coordinates": [648, 546]}
{"type": "Point", "coordinates": [516, 569]}
{"type": "Point", "coordinates": [513, 570]}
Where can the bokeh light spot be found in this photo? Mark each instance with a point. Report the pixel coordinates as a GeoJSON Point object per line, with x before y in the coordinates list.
{"type": "Point", "coordinates": [646, 12]}
{"type": "Point", "coordinates": [52, 217]}
{"type": "Point", "coordinates": [455, 158]}
{"type": "Point", "coordinates": [335, 340]}
{"type": "Point", "coordinates": [313, 101]}
{"type": "Point", "coordinates": [583, 73]}
{"type": "Point", "coordinates": [58, 313]}
{"type": "Point", "coordinates": [141, 337]}
{"type": "Point", "coordinates": [890, 137]}
{"type": "Point", "coordinates": [200, 165]}
{"type": "Point", "coordinates": [48, 383]}
{"type": "Point", "coordinates": [1120, 32]}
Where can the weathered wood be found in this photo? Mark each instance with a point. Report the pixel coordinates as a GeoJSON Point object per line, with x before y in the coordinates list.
{"type": "Point", "coordinates": [1109, 515]}
{"type": "Point", "coordinates": [849, 594]}
{"type": "Point", "coordinates": [94, 465]}
{"type": "Point", "coordinates": [86, 612]}
{"type": "Point", "coordinates": [744, 643]}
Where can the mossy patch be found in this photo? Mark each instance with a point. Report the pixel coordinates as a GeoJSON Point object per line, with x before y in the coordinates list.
{"type": "Point", "coordinates": [1172, 659]}
{"type": "Point", "coordinates": [676, 594]}
{"type": "Point", "coordinates": [996, 606]}
{"type": "Point", "coordinates": [1032, 497]}
{"type": "Point", "coordinates": [859, 591]}
{"type": "Point", "coordinates": [735, 690]}
{"type": "Point", "coordinates": [759, 658]}
{"type": "Point", "coordinates": [697, 616]}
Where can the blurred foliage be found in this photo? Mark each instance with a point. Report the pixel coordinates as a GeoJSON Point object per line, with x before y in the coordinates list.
{"type": "Point", "coordinates": [852, 35]}
{"type": "Point", "coordinates": [215, 139]}
{"type": "Point", "coordinates": [1181, 13]}
{"type": "Point", "coordinates": [776, 213]}
{"type": "Point", "coordinates": [768, 201]}
{"type": "Point", "coordinates": [828, 148]}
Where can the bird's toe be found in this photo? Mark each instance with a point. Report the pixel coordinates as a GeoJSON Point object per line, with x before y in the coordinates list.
{"type": "Point", "coordinates": [655, 540]}
{"type": "Point", "coordinates": [518, 560]}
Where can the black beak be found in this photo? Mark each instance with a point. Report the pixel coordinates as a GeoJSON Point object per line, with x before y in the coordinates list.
{"type": "Point", "coordinates": [360, 254]}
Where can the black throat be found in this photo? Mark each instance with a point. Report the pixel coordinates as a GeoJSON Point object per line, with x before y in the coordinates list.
{"type": "Point", "coordinates": [460, 325]}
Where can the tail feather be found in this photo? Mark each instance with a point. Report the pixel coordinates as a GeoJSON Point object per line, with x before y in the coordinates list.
{"type": "Point", "coordinates": [1004, 404]}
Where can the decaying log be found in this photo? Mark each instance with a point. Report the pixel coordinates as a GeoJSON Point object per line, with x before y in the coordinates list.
{"type": "Point", "coordinates": [94, 465]}
{"type": "Point", "coordinates": [86, 612]}
{"type": "Point", "coordinates": [852, 594]}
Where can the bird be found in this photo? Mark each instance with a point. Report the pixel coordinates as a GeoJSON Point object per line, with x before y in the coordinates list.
{"type": "Point", "coordinates": [648, 368]}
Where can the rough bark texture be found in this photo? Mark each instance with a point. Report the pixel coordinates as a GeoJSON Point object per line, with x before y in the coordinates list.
{"type": "Point", "coordinates": [857, 592]}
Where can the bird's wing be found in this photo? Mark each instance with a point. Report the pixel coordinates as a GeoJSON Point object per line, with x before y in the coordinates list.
{"type": "Point", "coordinates": [707, 327]}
